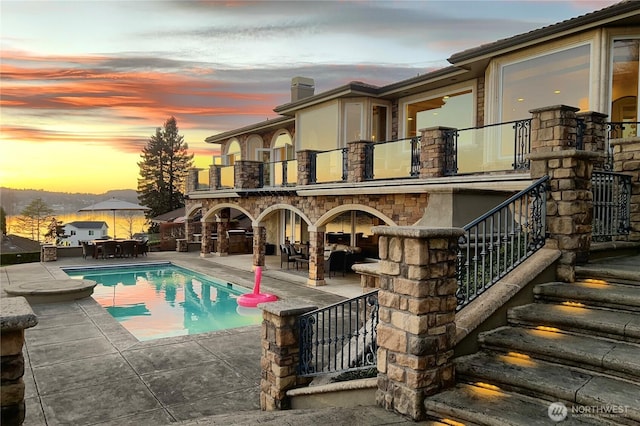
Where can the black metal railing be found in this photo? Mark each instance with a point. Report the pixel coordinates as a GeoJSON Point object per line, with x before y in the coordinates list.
{"type": "Point", "coordinates": [498, 241]}
{"type": "Point", "coordinates": [522, 144]}
{"type": "Point", "coordinates": [617, 130]}
{"type": "Point", "coordinates": [611, 205]}
{"type": "Point", "coordinates": [398, 158]}
{"type": "Point", "coordinates": [581, 127]}
{"type": "Point", "coordinates": [329, 166]}
{"type": "Point", "coordinates": [340, 337]}
{"type": "Point", "coordinates": [450, 152]}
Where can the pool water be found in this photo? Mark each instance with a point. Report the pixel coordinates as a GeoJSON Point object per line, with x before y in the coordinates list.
{"type": "Point", "coordinates": [164, 300]}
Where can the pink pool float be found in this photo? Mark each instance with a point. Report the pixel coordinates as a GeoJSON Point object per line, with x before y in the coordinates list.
{"type": "Point", "coordinates": [251, 300]}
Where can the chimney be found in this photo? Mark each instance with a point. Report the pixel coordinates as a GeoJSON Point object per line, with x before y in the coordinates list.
{"type": "Point", "coordinates": [301, 87]}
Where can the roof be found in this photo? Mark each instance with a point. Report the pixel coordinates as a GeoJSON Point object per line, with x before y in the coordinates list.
{"type": "Point", "coordinates": [169, 216]}
{"type": "Point", "coordinates": [15, 244]}
{"type": "Point", "coordinates": [88, 224]}
{"type": "Point", "coordinates": [270, 124]}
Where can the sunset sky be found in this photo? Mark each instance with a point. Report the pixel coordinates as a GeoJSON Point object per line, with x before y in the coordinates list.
{"type": "Point", "coordinates": [84, 84]}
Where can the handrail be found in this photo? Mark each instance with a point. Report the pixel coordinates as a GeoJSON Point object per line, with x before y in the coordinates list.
{"type": "Point", "coordinates": [340, 337]}
{"type": "Point", "coordinates": [611, 205]}
{"type": "Point", "coordinates": [499, 240]}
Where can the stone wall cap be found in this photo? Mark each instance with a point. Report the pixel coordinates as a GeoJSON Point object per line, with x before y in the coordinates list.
{"type": "Point", "coordinates": [284, 308]}
{"type": "Point", "coordinates": [16, 314]}
{"type": "Point", "coordinates": [417, 231]}
{"type": "Point", "coordinates": [554, 107]}
{"type": "Point", "coordinates": [624, 141]}
{"type": "Point", "coordinates": [565, 153]}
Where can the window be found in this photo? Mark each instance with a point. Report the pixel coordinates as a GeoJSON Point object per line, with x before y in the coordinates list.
{"type": "Point", "coordinates": [450, 110]}
{"type": "Point", "coordinates": [233, 153]}
{"type": "Point", "coordinates": [352, 122]}
{"type": "Point", "coordinates": [558, 78]}
{"type": "Point", "coordinates": [318, 128]}
{"type": "Point", "coordinates": [283, 148]}
{"type": "Point", "coordinates": [379, 123]}
{"type": "Point", "coordinates": [624, 84]}
{"type": "Point", "coordinates": [73, 232]}
{"type": "Point", "coordinates": [90, 232]}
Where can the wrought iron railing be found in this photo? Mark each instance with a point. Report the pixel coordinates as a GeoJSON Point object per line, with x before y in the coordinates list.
{"type": "Point", "coordinates": [398, 158]}
{"type": "Point", "coordinates": [278, 173]}
{"type": "Point", "coordinates": [498, 241]}
{"type": "Point", "coordinates": [450, 152]}
{"type": "Point", "coordinates": [617, 130]}
{"type": "Point", "coordinates": [340, 337]}
{"type": "Point", "coordinates": [611, 205]}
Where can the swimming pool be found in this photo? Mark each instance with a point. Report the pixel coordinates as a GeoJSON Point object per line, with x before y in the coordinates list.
{"type": "Point", "coordinates": [162, 300]}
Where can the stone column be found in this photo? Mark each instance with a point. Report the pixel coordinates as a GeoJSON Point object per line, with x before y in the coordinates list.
{"type": "Point", "coordinates": [280, 353]}
{"type": "Point", "coordinates": [259, 241]}
{"type": "Point", "coordinates": [416, 332]}
{"type": "Point", "coordinates": [247, 174]}
{"type": "Point", "coordinates": [192, 180]}
{"type": "Point", "coordinates": [223, 227]}
{"type": "Point", "coordinates": [316, 258]}
{"type": "Point", "coordinates": [304, 167]}
{"type": "Point", "coordinates": [15, 316]}
{"type": "Point", "coordinates": [206, 242]}
{"type": "Point", "coordinates": [214, 176]}
{"type": "Point", "coordinates": [356, 161]}
{"type": "Point", "coordinates": [569, 199]}
{"type": "Point", "coordinates": [432, 151]}
{"type": "Point", "coordinates": [626, 159]}
{"type": "Point", "coordinates": [49, 253]}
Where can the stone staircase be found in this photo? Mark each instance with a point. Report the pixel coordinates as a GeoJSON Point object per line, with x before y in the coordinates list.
{"type": "Point", "coordinates": [578, 344]}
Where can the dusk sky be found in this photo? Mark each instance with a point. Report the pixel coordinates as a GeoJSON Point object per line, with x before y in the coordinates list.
{"type": "Point", "coordinates": [84, 84]}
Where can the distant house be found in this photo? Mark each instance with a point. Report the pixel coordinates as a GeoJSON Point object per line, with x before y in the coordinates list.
{"type": "Point", "coordinates": [85, 230]}
{"type": "Point", "coordinates": [16, 244]}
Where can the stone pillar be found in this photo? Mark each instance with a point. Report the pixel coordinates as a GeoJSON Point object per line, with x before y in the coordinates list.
{"type": "Point", "coordinates": [214, 176]}
{"type": "Point", "coordinates": [569, 199]}
{"type": "Point", "coordinates": [280, 353]}
{"type": "Point", "coordinates": [316, 258]}
{"type": "Point", "coordinates": [626, 159]}
{"type": "Point", "coordinates": [15, 316]}
{"type": "Point", "coordinates": [304, 167]}
{"type": "Point", "coordinates": [432, 151]}
{"type": "Point", "coordinates": [223, 227]}
{"type": "Point", "coordinates": [49, 253]}
{"type": "Point", "coordinates": [206, 242]}
{"type": "Point", "coordinates": [259, 241]}
{"type": "Point", "coordinates": [356, 160]}
{"type": "Point", "coordinates": [416, 332]}
{"type": "Point", "coordinates": [182, 245]}
{"type": "Point", "coordinates": [247, 174]}
{"type": "Point", "coordinates": [192, 180]}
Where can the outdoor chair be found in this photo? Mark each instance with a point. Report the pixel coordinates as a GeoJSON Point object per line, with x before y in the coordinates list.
{"type": "Point", "coordinates": [88, 250]}
{"type": "Point", "coordinates": [337, 261]}
{"type": "Point", "coordinates": [287, 255]}
{"type": "Point", "coordinates": [128, 249]}
{"type": "Point", "coordinates": [109, 249]}
{"type": "Point", "coordinates": [143, 248]}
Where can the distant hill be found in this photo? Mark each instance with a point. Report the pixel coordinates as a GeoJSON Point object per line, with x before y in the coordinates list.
{"type": "Point", "coordinates": [14, 200]}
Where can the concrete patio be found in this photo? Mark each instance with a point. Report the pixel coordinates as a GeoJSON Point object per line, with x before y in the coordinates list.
{"type": "Point", "coordinates": [83, 368]}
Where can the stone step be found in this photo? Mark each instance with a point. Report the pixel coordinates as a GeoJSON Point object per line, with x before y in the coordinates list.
{"type": "Point", "coordinates": [617, 325]}
{"type": "Point", "coordinates": [600, 271]}
{"type": "Point", "coordinates": [592, 293]}
{"type": "Point", "coordinates": [550, 381]}
{"type": "Point", "coordinates": [616, 358]}
{"type": "Point", "coordinates": [479, 405]}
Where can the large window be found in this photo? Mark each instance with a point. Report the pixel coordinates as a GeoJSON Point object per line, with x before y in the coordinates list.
{"type": "Point", "coordinates": [318, 128]}
{"type": "Point", "coordinates": [352, 122]}
{"type": "Point", "coordinates": [557, 78]}
{"type": "Point", "coordinates": [624, 84]}
{"type": "Point", "coordinates": [379, 123]}
{"type": "Point", "coordinates": [451, 110]}
{"type": "Point", "coordinates": [233, 153]}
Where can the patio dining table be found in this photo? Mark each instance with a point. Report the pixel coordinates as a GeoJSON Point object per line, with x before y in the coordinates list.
{"type": "Point", "coordinates": [115, 248]}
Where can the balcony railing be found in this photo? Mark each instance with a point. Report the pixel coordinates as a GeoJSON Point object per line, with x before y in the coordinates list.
{"type": "Point", "coordinates": [227, 177]}
{"type": "Point", "coordinates": [279, 173]}
{"type": "Point", "coordinates": [611, 205]}
{"type": "Point", "coordinates": [329, 166]}
{"type": "Point", "coordinates": [392, 159]}
{"type": "Point", "coordinates": [340, 337]}
{"type": "Point", "coordinates": [498, 241]}
{"type": "Point", "coordinates": [495, 147]}
{"type": "Point", "coordinates": [203, 183]}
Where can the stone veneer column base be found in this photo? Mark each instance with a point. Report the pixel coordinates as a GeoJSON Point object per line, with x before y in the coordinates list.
{"type": "Point", "coordinates": [316, 283]}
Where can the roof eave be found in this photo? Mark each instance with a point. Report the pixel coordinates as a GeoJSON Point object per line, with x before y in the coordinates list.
{"type": "Point", "coordinates": [254, 128]}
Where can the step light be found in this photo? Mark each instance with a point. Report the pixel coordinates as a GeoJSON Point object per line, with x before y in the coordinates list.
{"type": "Point", "coordinates": [451, 422]}
{"type": "Point", "coordinates": [487, 386]}
{"type": "Point", "coordinates": [551, 329]}
{"type": "Point", "coordinates": [594, 281]}
{"type": "Point", "coordinates": [573, 304]}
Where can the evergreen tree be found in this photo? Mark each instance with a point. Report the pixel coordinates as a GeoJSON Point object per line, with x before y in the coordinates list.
{"type": "Point", "coordinates": [3, 221]}
{"type": "Point", "coordinates": [34, 217]}
{"type": "Point", "coordinates": [163, 170]}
